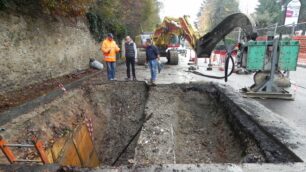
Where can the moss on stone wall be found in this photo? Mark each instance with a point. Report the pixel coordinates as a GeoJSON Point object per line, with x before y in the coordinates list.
{"type": "Point", "coordinates": [99, 27]}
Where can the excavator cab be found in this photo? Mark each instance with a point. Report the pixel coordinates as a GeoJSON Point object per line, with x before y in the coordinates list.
{"type": "Point", "coordinates": [174, 41]}
{"type": "Point", "coordinates": [140, 40]}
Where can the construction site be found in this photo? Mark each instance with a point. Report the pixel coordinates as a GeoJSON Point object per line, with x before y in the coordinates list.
{"type": "Point", "coordinates": [215, 106]}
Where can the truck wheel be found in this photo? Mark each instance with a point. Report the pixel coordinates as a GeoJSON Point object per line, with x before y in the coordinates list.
{"type": "Point", "coordinates": [173, 57]}
{"type": "Point", "coordinates": [141, 59]}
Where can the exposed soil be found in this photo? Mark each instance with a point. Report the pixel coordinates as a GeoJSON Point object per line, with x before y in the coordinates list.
{"type": "Point", "coordinates": [202, 133]}
{"type": "Point", "coordinates": [119, 113]}
{"type": "Point", "coordinates": [18, 97]}
{"type": "Point", "coordinates": [47, 123]}
{"type": "Point", "coordinates": [187, 126]}
{"type": "Point", "coordinates": [116, 114]}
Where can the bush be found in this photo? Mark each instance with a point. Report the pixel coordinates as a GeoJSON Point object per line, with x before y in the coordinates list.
{"type": "Point", "coordinates": [68, 8]}
{"type": "Point", "coordinates": [3, 4]}
{"type": "Point", "coordinates": [99, 27]}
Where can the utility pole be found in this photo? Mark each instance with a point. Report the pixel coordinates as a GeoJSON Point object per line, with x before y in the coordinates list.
{"type": "Point", "coordinates": [284, 4]}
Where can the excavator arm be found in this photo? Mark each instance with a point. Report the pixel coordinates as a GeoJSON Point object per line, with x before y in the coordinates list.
{"type": "Point", "coordinates": [208, 42]}
{"type": "Point", "coordinates": [175, 27]}
{"type": "Point", "coordinates": [202, 45]}
{"type": "Point", "coordinates": [169, 33]}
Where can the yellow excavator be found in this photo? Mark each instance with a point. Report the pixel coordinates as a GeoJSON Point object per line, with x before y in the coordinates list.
{"type": "Point", "coordinates": [259, 57]}
{"type": "Point", "coordinates": [168, 37]}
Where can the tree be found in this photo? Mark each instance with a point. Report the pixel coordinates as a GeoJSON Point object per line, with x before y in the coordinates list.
{"type": "Point", "coordinates": [123, 17]}
{"type": "Point", "coordinates": [268, 12]}
{"type": "Point", "coordinates": [303, 12]}
{"type": "Point", "coordinates": [71, 8]}
{"type": "Point", "coordinates": [143, 19]}
{"type": "Point", "coordinates": [212, 12]}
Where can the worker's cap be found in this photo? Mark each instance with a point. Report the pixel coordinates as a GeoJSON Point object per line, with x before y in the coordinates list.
{"type": "Point", "coordinates": [149, 41]}
{"type": "Point", "coordinates": [110, 35]}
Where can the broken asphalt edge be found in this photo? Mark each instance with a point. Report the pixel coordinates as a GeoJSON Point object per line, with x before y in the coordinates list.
{"type": "Point", "coordinates": [276, 127]}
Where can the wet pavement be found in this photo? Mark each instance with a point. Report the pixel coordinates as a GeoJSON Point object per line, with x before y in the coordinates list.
{"type": "Point", "coordinates": [284, 121]}
{"type": "Point", "coordinates": [292, 111]}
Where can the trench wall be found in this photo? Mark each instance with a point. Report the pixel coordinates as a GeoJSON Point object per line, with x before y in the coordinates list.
{"type": "Point", "coordinates": [52, 123]}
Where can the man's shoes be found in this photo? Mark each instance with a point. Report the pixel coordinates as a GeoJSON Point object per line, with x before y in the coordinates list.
{"type": "Point", "coordinates": [134, 79]}
{"type": "Point", "coordinates": [153, 83]}
{"type": "Point", "coordinates": [127, 79]}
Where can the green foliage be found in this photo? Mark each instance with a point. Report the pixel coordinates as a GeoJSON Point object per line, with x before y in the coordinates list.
{"type": "Point", "coordinates": [212, 12]}
{"type": "Point", "coordinates": [3, 4]}
{"type": "Point", "coordinates": [99, 27]}
{"type": "Point", "coordinates": [303, 12]}
{"type": "Point", "coordinates": [69, 8]}
{"type": "Point", "coordinates": [122, 17]}
{"type": "Point", "coordinates": [268, 12]}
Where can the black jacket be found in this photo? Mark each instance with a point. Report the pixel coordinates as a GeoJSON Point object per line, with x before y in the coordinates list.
{"type": "Point", "coordinates": [152, 52]}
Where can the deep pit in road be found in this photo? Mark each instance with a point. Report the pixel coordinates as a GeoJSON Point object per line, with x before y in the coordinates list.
{"type": "Point", "coordinates": [134, 123]}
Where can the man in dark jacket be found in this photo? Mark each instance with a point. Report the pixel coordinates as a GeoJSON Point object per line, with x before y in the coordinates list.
{"type": "Point", "coordinates": [153, 56]}
{"type": "Point", "coordinates": [130, 55]}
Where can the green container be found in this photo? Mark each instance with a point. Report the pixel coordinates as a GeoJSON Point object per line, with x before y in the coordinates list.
{"type": "Point", "coordinates": [256, 55]}
{"type": "Point", "coordinates": [288, 57]}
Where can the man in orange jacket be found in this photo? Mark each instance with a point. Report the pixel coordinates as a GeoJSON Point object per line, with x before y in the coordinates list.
{"type": "Point", "coordinates": [109, 49]}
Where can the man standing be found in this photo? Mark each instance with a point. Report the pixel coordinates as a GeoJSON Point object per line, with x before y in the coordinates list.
{"type": "Point", "coordinates": [130, 55]}
{"type": "Point", "coordinates": [152, 55]}
{"type": "Point", "coordinates": [109, 49]}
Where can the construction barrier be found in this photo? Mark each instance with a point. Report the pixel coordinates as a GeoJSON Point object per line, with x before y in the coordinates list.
{"type": "Point", "coordinates": [302, 54]}
{"type": "Point", "coordinates": [218, 58]}
{"type": "Point", "coordinates": [302, 41]}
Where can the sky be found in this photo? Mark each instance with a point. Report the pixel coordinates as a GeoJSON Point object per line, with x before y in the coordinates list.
{"type": "Point", "coordinates": [178, 8]}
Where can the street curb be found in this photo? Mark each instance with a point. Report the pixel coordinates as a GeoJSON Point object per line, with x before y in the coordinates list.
{"type": "Point", "coordinates": [302, 65]}
{"type": "Point", "coordinates": [243, 121]}
{"type": "Point", "coordinates": [282, 132]}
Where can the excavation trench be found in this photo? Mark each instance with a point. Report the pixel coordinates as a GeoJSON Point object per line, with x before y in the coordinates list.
{"type": "Point", "coordinates": [136, 124]}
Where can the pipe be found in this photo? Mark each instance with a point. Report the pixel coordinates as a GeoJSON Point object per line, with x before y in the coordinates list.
{"type": "Point", "coordinates": [226, 74]}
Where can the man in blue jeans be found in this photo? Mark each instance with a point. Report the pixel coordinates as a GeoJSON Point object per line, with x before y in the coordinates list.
{"type": "Point", "coordinates": [109, 49]}
{"type": "Point", "coordinates": [153, 56]}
